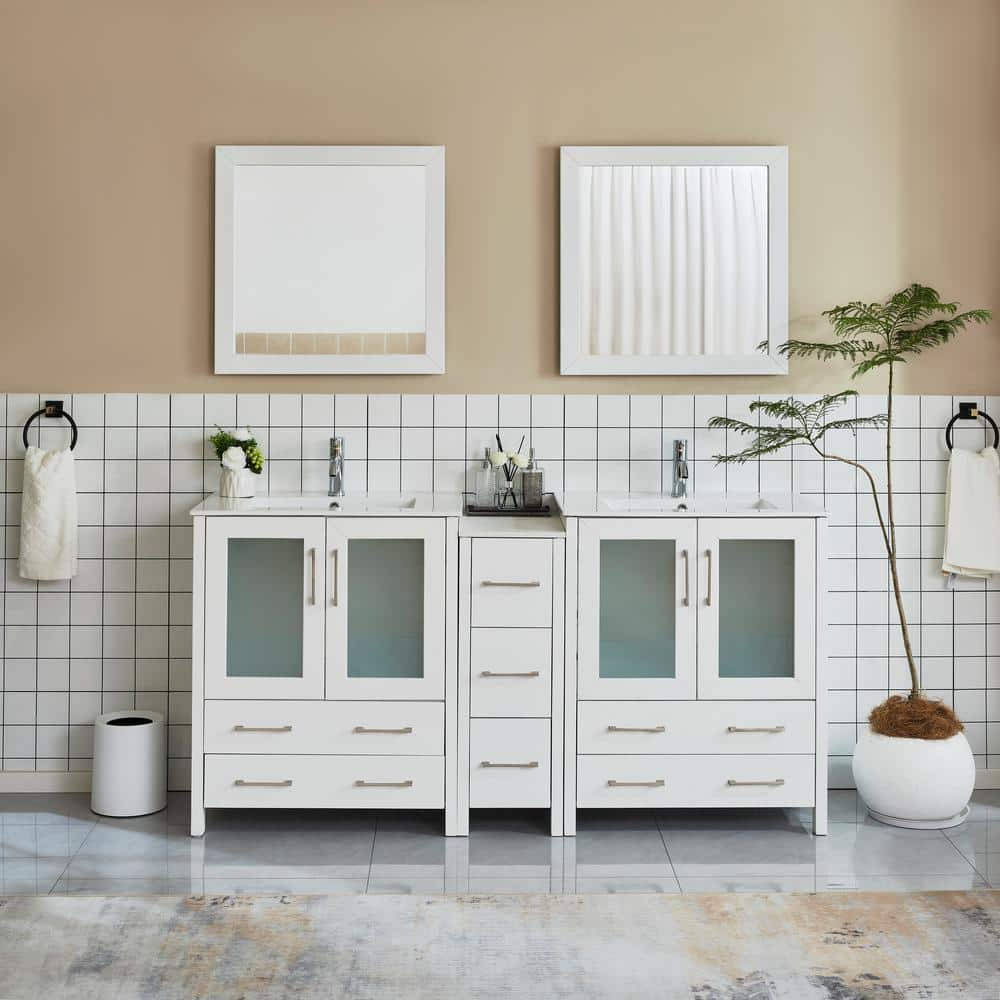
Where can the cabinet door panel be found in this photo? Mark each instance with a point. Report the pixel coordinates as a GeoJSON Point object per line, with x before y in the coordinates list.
{"type": "Point", "coordinates": [386, 609]}
{"type": "Point", "coordinates": [636, 608]}
{"type": "Point", "coordinates": [264, 607]}
{"type": "Point", "coordinates": [757, 616]}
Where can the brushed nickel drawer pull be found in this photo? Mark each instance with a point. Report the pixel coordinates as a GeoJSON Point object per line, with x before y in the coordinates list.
{"type": "Point", "coordinates": [360, 783]}
{"type": "Point", "coordinates": [755, 729]}
{"type": "Point", "coordinates": [511, 583]}
{"type": "Point", "coordinates": [403, 730]}
{"type": "Point", "coordinates": [637, 729]}
{"type": "Point", "coordinates": [312, 577]}
{"type": "Point", "coordinates": [335, 571]}
{"type": "Point", "coordinates": [657, 783]}
{"type": "Point", "coordinates": [283, 783]}
{"type": "Point", "coordinates": [708, 590]}
{"type": "Point", "coordinates": [775, 783]}
{"type": "Point", "coordinates": [240, 728]}
{"type": "Point", "coordinates": [687, 578]}
{"type": "Point", "coordinates": [500, 673]}
{"type": "Point", "coordinates": [528, 764]}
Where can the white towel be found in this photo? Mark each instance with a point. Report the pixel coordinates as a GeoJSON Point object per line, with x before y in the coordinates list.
{"type": "Point", "coordinates": [972, 514]}
{"type": "Point", "coordinates": [48, 516]}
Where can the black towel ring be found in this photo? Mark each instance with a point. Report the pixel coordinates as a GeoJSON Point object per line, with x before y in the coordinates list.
{"type": "Point", "coordinates": [52, 408]}
{"type": "Point", "coordinates": [969, 411]}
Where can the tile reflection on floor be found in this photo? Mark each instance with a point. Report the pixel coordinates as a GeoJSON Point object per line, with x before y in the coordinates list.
{"type": "Point", "coordinates": [53, 844]}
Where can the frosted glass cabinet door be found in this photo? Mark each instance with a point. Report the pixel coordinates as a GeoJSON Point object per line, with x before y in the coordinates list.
{"type": "Point", "coordinates": [385, 608]}
{"type": "Point", "coordinates": [264, 607]}
{"type": "Point", "coordinates": [636, 608]}
{"type": "Point", "coordinates": [757, 608]}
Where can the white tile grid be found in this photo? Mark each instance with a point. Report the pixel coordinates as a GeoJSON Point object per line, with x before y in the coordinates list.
{"type": "Point", "coordinates": [118, 635]}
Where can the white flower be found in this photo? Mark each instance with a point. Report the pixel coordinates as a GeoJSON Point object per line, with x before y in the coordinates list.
{"type": "Point", "coordinates": [244, 435]}
{"type": "Point", "coordinates": [234, 458]}
{"type": "Point", "coordinates": [519, 460]}
{"type": "Point", "coordinates": [498, 458]}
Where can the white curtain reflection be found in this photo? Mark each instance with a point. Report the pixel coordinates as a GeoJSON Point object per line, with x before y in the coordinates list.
{"type": "Point", "coordinates": [674, 259]}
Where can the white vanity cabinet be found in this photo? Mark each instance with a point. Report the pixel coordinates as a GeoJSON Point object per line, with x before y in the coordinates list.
{"type": "Point", "coordinates": [511, 667]}
{"type": "Point", "coordinates": [323, 671]}
{"type": "Point", "coordinates": [695, 637]}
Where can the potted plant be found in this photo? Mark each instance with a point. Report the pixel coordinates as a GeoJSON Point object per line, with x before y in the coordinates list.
{"type": "Point", "coordinates": [913, 765]}
{"type": "Point", "coordinates": [241, 460]}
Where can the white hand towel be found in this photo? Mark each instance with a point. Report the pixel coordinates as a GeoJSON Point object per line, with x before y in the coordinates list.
{"type": "Point", "coordinates": [972, 514]}
{"type": "Point", "coordinates": [48, 516]}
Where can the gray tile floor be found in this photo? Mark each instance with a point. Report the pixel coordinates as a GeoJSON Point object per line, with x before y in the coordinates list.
{"type": "Point", "coordinates": [53, 844]}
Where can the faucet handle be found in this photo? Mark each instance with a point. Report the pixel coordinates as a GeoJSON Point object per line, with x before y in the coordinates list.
{"type": "Point", "coordinates": [337, 447]}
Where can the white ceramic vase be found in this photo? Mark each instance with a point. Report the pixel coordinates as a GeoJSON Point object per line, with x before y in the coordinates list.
{"type": "Point", "coordinates": [237, 483]}
{"type": "Point", "coordinates": [920, 784]}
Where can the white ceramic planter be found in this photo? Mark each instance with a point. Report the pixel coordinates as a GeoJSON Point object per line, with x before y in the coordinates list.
{"type": "Point", "coordinates": [237, 483]}
{"type": "Point", "coordinates": [921, 784]}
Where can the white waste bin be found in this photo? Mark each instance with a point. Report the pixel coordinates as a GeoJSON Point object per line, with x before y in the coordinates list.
{"type": "Point", "coordinates": [130, 764]}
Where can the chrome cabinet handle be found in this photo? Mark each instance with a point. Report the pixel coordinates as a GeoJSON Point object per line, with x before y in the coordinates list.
{"type": "Point", "coordinates": [284, 783]}
{"type": "Point", "coordinates": [511, 583]}
{"type": "Point", "coordinates": [775, 783]}
{"type": "Point", "coordinates": [383, 784]}
{"type": "Point", "coordinates": [240, 728]}
{"type": "Point", "coordinates": [490, 763]}
{"type": "Point", "coordinates": [657, 783]}
{"type": "Point", "coordinates": [687, 578]}
{"type": "Point", "coordinates": [335, 558]}
{"type": "Point", "coordinates": [404, 730]}
{"type": "Point", "coordinates": [755, 729]}
{"type": "Point", "coordinates": [708, 593]}
{"type": "Point", "coordinates": [637, 729]}
{"type": "Point", "coordinates": [499, 673]}
{"type": "Point", "coordinates": [312, 576]}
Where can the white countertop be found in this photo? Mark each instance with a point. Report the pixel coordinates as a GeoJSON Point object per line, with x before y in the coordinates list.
{"type": "Point", "coordinates": [356, 505]}
{"type": "Point", "coordinates": [700, 505]}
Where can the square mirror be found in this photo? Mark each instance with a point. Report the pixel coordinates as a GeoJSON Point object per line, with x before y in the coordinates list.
{"type": "Point", "coordinates": [674, 260]}
{"type": "Point", "coordinates": [329, 259]}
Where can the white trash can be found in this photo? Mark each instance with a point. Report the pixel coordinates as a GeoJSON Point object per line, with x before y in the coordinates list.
{"type": "Point", "coordinates": [130, 764]}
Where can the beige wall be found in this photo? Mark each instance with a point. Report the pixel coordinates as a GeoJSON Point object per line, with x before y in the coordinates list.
{"type": "Point", "coordinates": [110, 110]}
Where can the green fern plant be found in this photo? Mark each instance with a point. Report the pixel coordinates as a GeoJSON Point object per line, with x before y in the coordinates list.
{"type": "Point", "coordinates": [870, 336]}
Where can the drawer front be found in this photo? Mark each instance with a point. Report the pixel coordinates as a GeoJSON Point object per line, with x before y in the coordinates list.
{"type": "Point", "coordinates": [511, 672]}
{"type": "Point", "coordinates": [325, 727]}
{"type": "Point", "coordinates": [270, 781]}
{"type": "Point", "coordinates": [512, 582]}
{"type": "Point", "coordinates": [677, 727]}
{"type": "Point", "coordinates": [509, 763]}
{"type": "Point", "coordinates": [684, 781]}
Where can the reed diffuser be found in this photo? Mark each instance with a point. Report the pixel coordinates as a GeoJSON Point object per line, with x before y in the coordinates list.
{"type": "Point", "coordinates": [508, 463]}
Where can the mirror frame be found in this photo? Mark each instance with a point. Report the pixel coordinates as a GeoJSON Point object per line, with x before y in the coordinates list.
{"type": "Point", "coordinates": [573, 361]}
{"type": "Point", "coordinates": [228, 362]}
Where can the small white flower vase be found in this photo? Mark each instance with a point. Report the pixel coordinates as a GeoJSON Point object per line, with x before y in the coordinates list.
{"type": "Point", "coordinates": [237, 483]}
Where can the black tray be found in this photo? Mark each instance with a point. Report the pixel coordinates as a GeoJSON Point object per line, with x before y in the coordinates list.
{"type": "Point", "coordinates": [471, 510]}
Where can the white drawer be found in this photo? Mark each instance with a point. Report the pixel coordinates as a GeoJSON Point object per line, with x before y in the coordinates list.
{"type": "Point", "coordinates": [684, 781]}
{"type": "Point", "coordinates": [511, 672]}
{"type": "Point", "coordinates": [509, 763]}
{"type": "Point", "coordinates": [693, 727]}
{"type": "Point", "coordinates": [512, 582]}
{"type": "Point", "coordinates": [270, 781]}
{"type": "Point", "coordinates": [325, 727]}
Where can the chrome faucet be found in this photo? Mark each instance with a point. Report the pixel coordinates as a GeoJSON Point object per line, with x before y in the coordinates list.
{"type": "Point", "coordinates": [336, 467]}
{"type": "Point", "coordinates": [680, 487]}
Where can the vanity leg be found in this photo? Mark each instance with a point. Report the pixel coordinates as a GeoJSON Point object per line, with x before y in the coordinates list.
{"type": "Point", "coordinates": [819, 820]}
{"type": "Point", "coordinates": [197, 818]}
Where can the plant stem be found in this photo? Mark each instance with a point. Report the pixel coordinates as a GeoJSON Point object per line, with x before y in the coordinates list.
{"type": "Point", "coordinates": [891, 547]}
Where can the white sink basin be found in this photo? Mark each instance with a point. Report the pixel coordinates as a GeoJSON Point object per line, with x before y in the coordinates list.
{"type": "Point", "coordinates": [653, 503]}
{"type": "Point", "coordinates": [378, 504]}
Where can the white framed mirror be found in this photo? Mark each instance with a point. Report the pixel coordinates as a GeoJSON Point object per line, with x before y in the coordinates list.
{"type": "Point", "coordinates": [673, 259]}
{"type": "Point", "coordinates": [329, 259]}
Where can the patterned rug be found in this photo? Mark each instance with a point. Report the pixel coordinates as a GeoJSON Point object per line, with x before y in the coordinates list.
{"type": "Point", "coordinates": [849, 946]}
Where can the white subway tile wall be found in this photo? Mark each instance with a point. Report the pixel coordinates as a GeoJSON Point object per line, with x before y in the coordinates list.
{"type": "Point", "coordinates": [119, 634]}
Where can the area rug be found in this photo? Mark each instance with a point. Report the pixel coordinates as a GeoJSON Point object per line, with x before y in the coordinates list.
{"type": "Point", "coordinates": [884, 946]}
